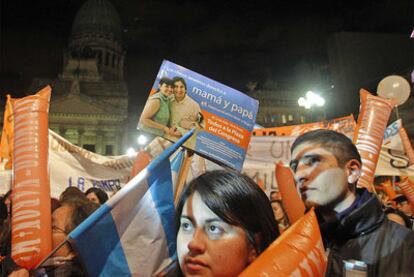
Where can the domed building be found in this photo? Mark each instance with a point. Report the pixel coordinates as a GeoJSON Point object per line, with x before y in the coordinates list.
{"type": "Point", "coordinates": [89, 103]}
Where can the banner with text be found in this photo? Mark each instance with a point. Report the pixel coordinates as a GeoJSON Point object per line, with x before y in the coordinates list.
{"type": "Point", "coordinates": [344, 125]}
{"type": "Point", "coordinates": [393, 160]}
{"type": "Point", "coordinates": [70, 165]}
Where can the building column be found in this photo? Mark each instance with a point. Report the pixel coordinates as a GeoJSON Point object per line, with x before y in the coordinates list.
{"type": "Point", "coordinates": [81, 132]}
{"type": "Point", "coordinates": [99, 142]}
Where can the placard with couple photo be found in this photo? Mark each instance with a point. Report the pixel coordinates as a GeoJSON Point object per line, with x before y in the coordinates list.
{"type": "Point", "coordinates": [222, 117]}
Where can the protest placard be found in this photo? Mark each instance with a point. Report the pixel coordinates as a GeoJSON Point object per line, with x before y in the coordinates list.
{"type": "Point", "coordinates": [223, 118]}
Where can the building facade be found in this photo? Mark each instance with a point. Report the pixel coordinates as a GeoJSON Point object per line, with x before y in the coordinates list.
{"type": "Point", "coordinates": [279, 107]}
{"type": "Point", "coordinates": [89, 103]}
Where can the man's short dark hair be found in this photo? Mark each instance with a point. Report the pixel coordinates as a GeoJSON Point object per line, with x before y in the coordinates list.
{"type": "Point", "coordinates": [338, 144]}
{"type": "Point", "coordinates": [400, 198]}
{"type": "Point", "coordinates": [179, 79]}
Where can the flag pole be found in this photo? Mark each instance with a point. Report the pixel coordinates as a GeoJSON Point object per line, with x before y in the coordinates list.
{"type": "Point", "coordinates": [53, 252]}
{"type": "Point", "coordinates": [182, 176]}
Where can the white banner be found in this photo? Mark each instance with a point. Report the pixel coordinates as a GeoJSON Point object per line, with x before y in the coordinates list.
{"type": "Point", "coordinates": [70, 165]}
{"type": "Point", "coordinates": [393, 161]}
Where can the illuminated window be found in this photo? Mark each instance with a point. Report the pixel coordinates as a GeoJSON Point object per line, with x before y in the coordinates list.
{"type": "Point", "coordinates": [284, 118]}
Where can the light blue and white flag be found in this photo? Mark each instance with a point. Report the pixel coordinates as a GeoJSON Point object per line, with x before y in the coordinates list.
{"type": "Point", "coordinates": [133, 233]}
{"type": "Point", "coordinates": [176, 164]}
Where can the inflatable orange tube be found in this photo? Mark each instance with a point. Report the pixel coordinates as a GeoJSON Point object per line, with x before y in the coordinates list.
{"type": "Point", "coordinates": [372, 121]}
{"type": "Point", "coordinates": [142, 160]}
{"type": "Point", "coordinates": [407, 145]}
{"type": "Point", "coordinates": [7, 134]}
{"type": "Point", "coordinates": [292, 203]}
{"type": "Point", "coordinates": [31, 213]}
{"type": "Point", "coordinates": [298, 251]}
{"type": "Point", "coordinates": [408, 190]}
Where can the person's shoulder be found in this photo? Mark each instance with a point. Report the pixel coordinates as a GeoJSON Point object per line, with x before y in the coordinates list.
{"type": "Point", "coordinates": [191, 101]}
{"type": "Point", "coordinates": [399, 232]}
{"type": "Point", "coordinates": [156, 95]}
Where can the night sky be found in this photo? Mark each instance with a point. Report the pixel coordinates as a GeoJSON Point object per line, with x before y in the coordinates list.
{"type": "Point", "coordinates": [233, 42]}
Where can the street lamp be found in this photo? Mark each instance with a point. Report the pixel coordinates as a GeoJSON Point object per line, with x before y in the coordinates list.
{"type": "Point", "coordinates": [142, 140]}
{"type": "Point", "coordinates": [312, 99]}
{"type": "Point", "coordinates": [130, 152]}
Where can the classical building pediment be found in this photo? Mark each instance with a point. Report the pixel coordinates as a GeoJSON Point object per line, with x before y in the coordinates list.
{"type": "Point", "coordinates": [81, 104]}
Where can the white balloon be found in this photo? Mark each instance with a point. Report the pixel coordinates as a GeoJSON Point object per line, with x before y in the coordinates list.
{"type": "Point", "coordinates": [394, 87]}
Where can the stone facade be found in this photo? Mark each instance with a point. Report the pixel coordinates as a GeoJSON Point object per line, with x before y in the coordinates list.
{"type": "Point", "coordinates": [280, 108]}
{"type": "Point", "coordinates": [89, 103]}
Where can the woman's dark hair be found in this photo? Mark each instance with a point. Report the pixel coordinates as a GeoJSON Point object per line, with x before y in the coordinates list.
{"type": "Point", "coordinates": [237, 200]}
{"type": "Point", "coordinates": [71, 193]}
{"type": "Point", "coordinates": [102, 196]}
{"type": "Point", "coordinates": [81, 209]}
{"type": "Point", "coordinates": [165, 80]}
{"type": "Point", "coordinates": [406, 219]}
{"type": "Point", "coordinates": [7, 195]}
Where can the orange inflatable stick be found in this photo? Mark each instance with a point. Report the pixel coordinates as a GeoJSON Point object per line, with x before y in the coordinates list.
{"type": "Point", "coordinates": [292, 203]}
{"type": "Point", "coordinates": [407, 145]}
{"type": "Point", "coordinates": [408, 190]}
{"type": "Point", "coordinates": [142, 160]}
{"type": "Point", "coordinates": [372, 121]}
{"type": "Point", "coordinates": [31, 216]}
{"type": "Point", "coordinates": [298, 251]}
{"type": "Point", "coordinates": [7, 134]}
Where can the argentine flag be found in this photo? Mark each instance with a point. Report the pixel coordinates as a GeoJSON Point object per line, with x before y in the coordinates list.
{"type": "Point", "coordinates": [133, 233]}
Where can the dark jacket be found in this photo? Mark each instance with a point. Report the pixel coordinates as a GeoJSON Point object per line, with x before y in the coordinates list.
{"type": "Point", "coordinates": [365, 234]}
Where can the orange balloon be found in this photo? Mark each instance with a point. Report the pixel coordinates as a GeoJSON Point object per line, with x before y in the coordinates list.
{"type": "Point", "coordinates": [298, 251]}
{"type": "Point", "coordinates": [407, 145]}
{"type": "Point", "coordinates": [408, 190]}
{"type": "Point", "coordinates": [292, 203]}
{"type": "Point", "coordinates": [31, 213]}
{"type": "Point", "coordinates": [372, 121]}
{"type": "Point", "coordinates": [142, 160]}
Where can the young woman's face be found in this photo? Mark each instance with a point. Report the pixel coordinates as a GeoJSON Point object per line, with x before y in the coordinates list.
{"type": "Point", "coordinates": [277, 211]}
{"type": "Point", "coordinates": [93, 198]}
{"type": "Point", "coordinates": [208, 246]}
{"type": "Point", "coordinates": [165, 89]}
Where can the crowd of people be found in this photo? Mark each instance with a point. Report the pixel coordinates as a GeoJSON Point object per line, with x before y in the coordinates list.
{"type": "Point", "coordinates": [72, 207]}
{"type": "Point", "coordinates": [225, 221]}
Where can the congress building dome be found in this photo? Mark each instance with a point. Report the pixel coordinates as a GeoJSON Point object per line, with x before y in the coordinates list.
{"type": "Point", "coordinates": [89, 106]}
{"type": "Point", "coordinates": [99, 17]}
{"type": "Point", "coordinates": [95, 49]}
